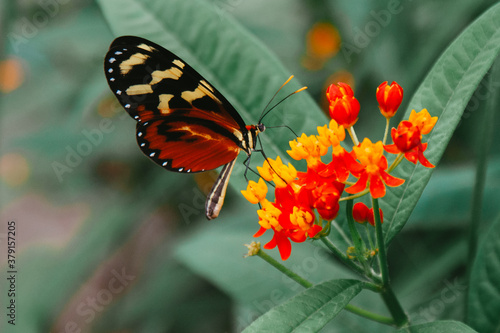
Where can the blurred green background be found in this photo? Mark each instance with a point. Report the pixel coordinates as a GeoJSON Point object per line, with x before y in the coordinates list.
{"type": "Point", "coordinates": [109, 242]}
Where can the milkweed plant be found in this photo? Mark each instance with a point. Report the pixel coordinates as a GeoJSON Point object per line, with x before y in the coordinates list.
{"type": "Point", "coordinates": [305, 203]}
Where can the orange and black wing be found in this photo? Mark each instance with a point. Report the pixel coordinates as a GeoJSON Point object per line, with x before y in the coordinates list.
{"type": "Point", "coordinates": [184, 123]}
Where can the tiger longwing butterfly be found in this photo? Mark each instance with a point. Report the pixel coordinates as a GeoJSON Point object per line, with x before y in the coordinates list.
{"type": "Point", "coordinates": [183, 123]}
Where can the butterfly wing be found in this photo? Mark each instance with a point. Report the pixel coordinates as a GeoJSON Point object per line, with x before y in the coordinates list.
{"type": "Point", "coordinates": [184, 124]}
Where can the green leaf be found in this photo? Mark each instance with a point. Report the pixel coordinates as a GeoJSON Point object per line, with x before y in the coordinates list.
{"type": "Point", "coordinates": [228, 56]}
{"type": "Point", "coordinates": [444, 326]}
{"type": "Point", "coordinates": [310, 310]}
{"type": "Point", "coordinates": [484, 292]}
{"type": "Point", "coordinates": [444, 93]}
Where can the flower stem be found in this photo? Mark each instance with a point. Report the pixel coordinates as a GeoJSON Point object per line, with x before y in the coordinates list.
{"type": "Point", "coordinates": [386, 131]}
{"type": "Point", "coordinates": [397, 312]}
{"type": "Point", "coordinates": [354, 196]}
{"type": "Point", "coordinates": [291, 274]}
{"type": "Point", "coordinates": [369, 315]}
{"type": "Point", "coordinates": [392, 303]}
{"type": "Point", "coordinates": [382, 255]}
{"type": "Point", "coordinates": [353, 136]}
{"type": "Point", "coordinates": [396, 161]}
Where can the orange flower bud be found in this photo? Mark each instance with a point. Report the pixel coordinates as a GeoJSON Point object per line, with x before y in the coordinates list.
{"type": "Point", "coordinates": [389, 98]}
{"type": "Point", "coordinates": [344, 107]}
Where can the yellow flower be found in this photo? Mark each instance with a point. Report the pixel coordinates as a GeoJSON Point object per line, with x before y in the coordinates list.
{"type": "Point", "coordinates": [308, 148]}
{"type": "Point", "coordinates": [423, 120]}
{"type": "Point", "coordinates": [332, 135]}
{"type": "Point", "coordinates": [269, 215]}
{"type": "Point", "coordinates": [276, 171]}
{"type": "Point", "coordinates": [302, 218]}
{"type": "Point", "coordinates": [255, 192]}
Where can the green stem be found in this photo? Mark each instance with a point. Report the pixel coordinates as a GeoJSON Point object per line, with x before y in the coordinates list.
{"type": "Point", "coordinates": [354, 196]}
{"type": "Point", "coordinates": [291, 274]}
{"type": "Point", "coordinates": [392, 303]}
{"type": "Point", "coordinates": [396, 161]}
{"type": "Point", "coordinates": [369, 315]}
{"type": "Point", "coordinates": [382, 255]}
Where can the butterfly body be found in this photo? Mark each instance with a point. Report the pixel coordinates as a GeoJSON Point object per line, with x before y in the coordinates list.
{"type": "Point", "coordinates": [183, 123]}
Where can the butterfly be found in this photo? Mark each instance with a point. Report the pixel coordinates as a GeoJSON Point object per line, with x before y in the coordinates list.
{"type": "Point", "coordinates": [183, 123]}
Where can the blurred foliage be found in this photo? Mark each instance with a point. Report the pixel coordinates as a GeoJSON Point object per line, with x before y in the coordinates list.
{"type": "Point", "coordinates": [90, 207]}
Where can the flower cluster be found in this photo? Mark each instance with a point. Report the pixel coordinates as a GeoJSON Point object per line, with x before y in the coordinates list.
{"type": "Point", "coordinates": [306, 202]}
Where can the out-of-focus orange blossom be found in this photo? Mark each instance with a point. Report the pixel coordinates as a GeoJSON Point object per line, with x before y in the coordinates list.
{"type": "Point", "coordinates": [11, 75]}
{"type": "Point", "coordinates": [322, 43]}
{"type": "Point", "coordinates": [14, 169]}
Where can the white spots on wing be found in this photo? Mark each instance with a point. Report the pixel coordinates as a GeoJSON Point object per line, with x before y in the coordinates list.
{"type": "Point", "coordinates": [163, 106]}
{"type": "Point", "coordinates": [118, 92]}
{"type": "Point", "coordinates": [139, 89]}
{"type": "Point", "coordinates": [110, 70]}
{"type": "Point", "coordinates": [118, 53]}
{"type": "Point", "coordinates": [164, 163]}
{"type": "Point", "coordinates": [127, 106]}
{"type": "Point", "coordinates": [143, 144]}
{"type": "Point", "coordinates": [139, 134]}
{"type": "Point", "coordinates": [112, 79]}
{"type": "Point", "coordinates": [180, 169]}
{"type": "Point", "coordinates": [152, 154]}
{"type": "Point", "coordinates": [134, 60]}
{"type": "Point", "coordinates": [112, 60]}
{"type": "Point", "coordinates": [188, 170]}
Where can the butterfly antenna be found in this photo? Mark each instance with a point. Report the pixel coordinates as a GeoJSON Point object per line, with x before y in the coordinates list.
{"type": "Point", "coordinates": [284, 126]}
{"type": "Point", "coordinates": [286, 97]}
{"type": "Point", "coordinates": [272, 98]}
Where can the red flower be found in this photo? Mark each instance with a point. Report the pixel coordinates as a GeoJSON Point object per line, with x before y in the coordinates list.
{"type": "Point", "coordinates": [407, 140]}
{"type": "Point", "coordinates": [389, 98]}
{"type": "Point", "coordinates": [344, 107]}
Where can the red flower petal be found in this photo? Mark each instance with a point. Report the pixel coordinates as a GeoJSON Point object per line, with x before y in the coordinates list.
{"type": "Point", "coordinates": [261, 231]}
{"type": "Point", "coordinates": [359, 186]}
{"type": "Point", "coordinates": [377, 187]}
{"type": "Point", "coordinates": [284, 246]}
{"type": "Point", "coordinates": [391, 180]}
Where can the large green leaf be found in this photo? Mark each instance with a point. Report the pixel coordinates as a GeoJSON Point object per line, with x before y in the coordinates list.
{"type": "Point", "coordinates": [310, 310]}
{"type": "Point", "coordinates": [445, 92]}
{"type": "Point", "coordinates": [484, 292]}
{"type": "Point", "coordinates": [445, 326]}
